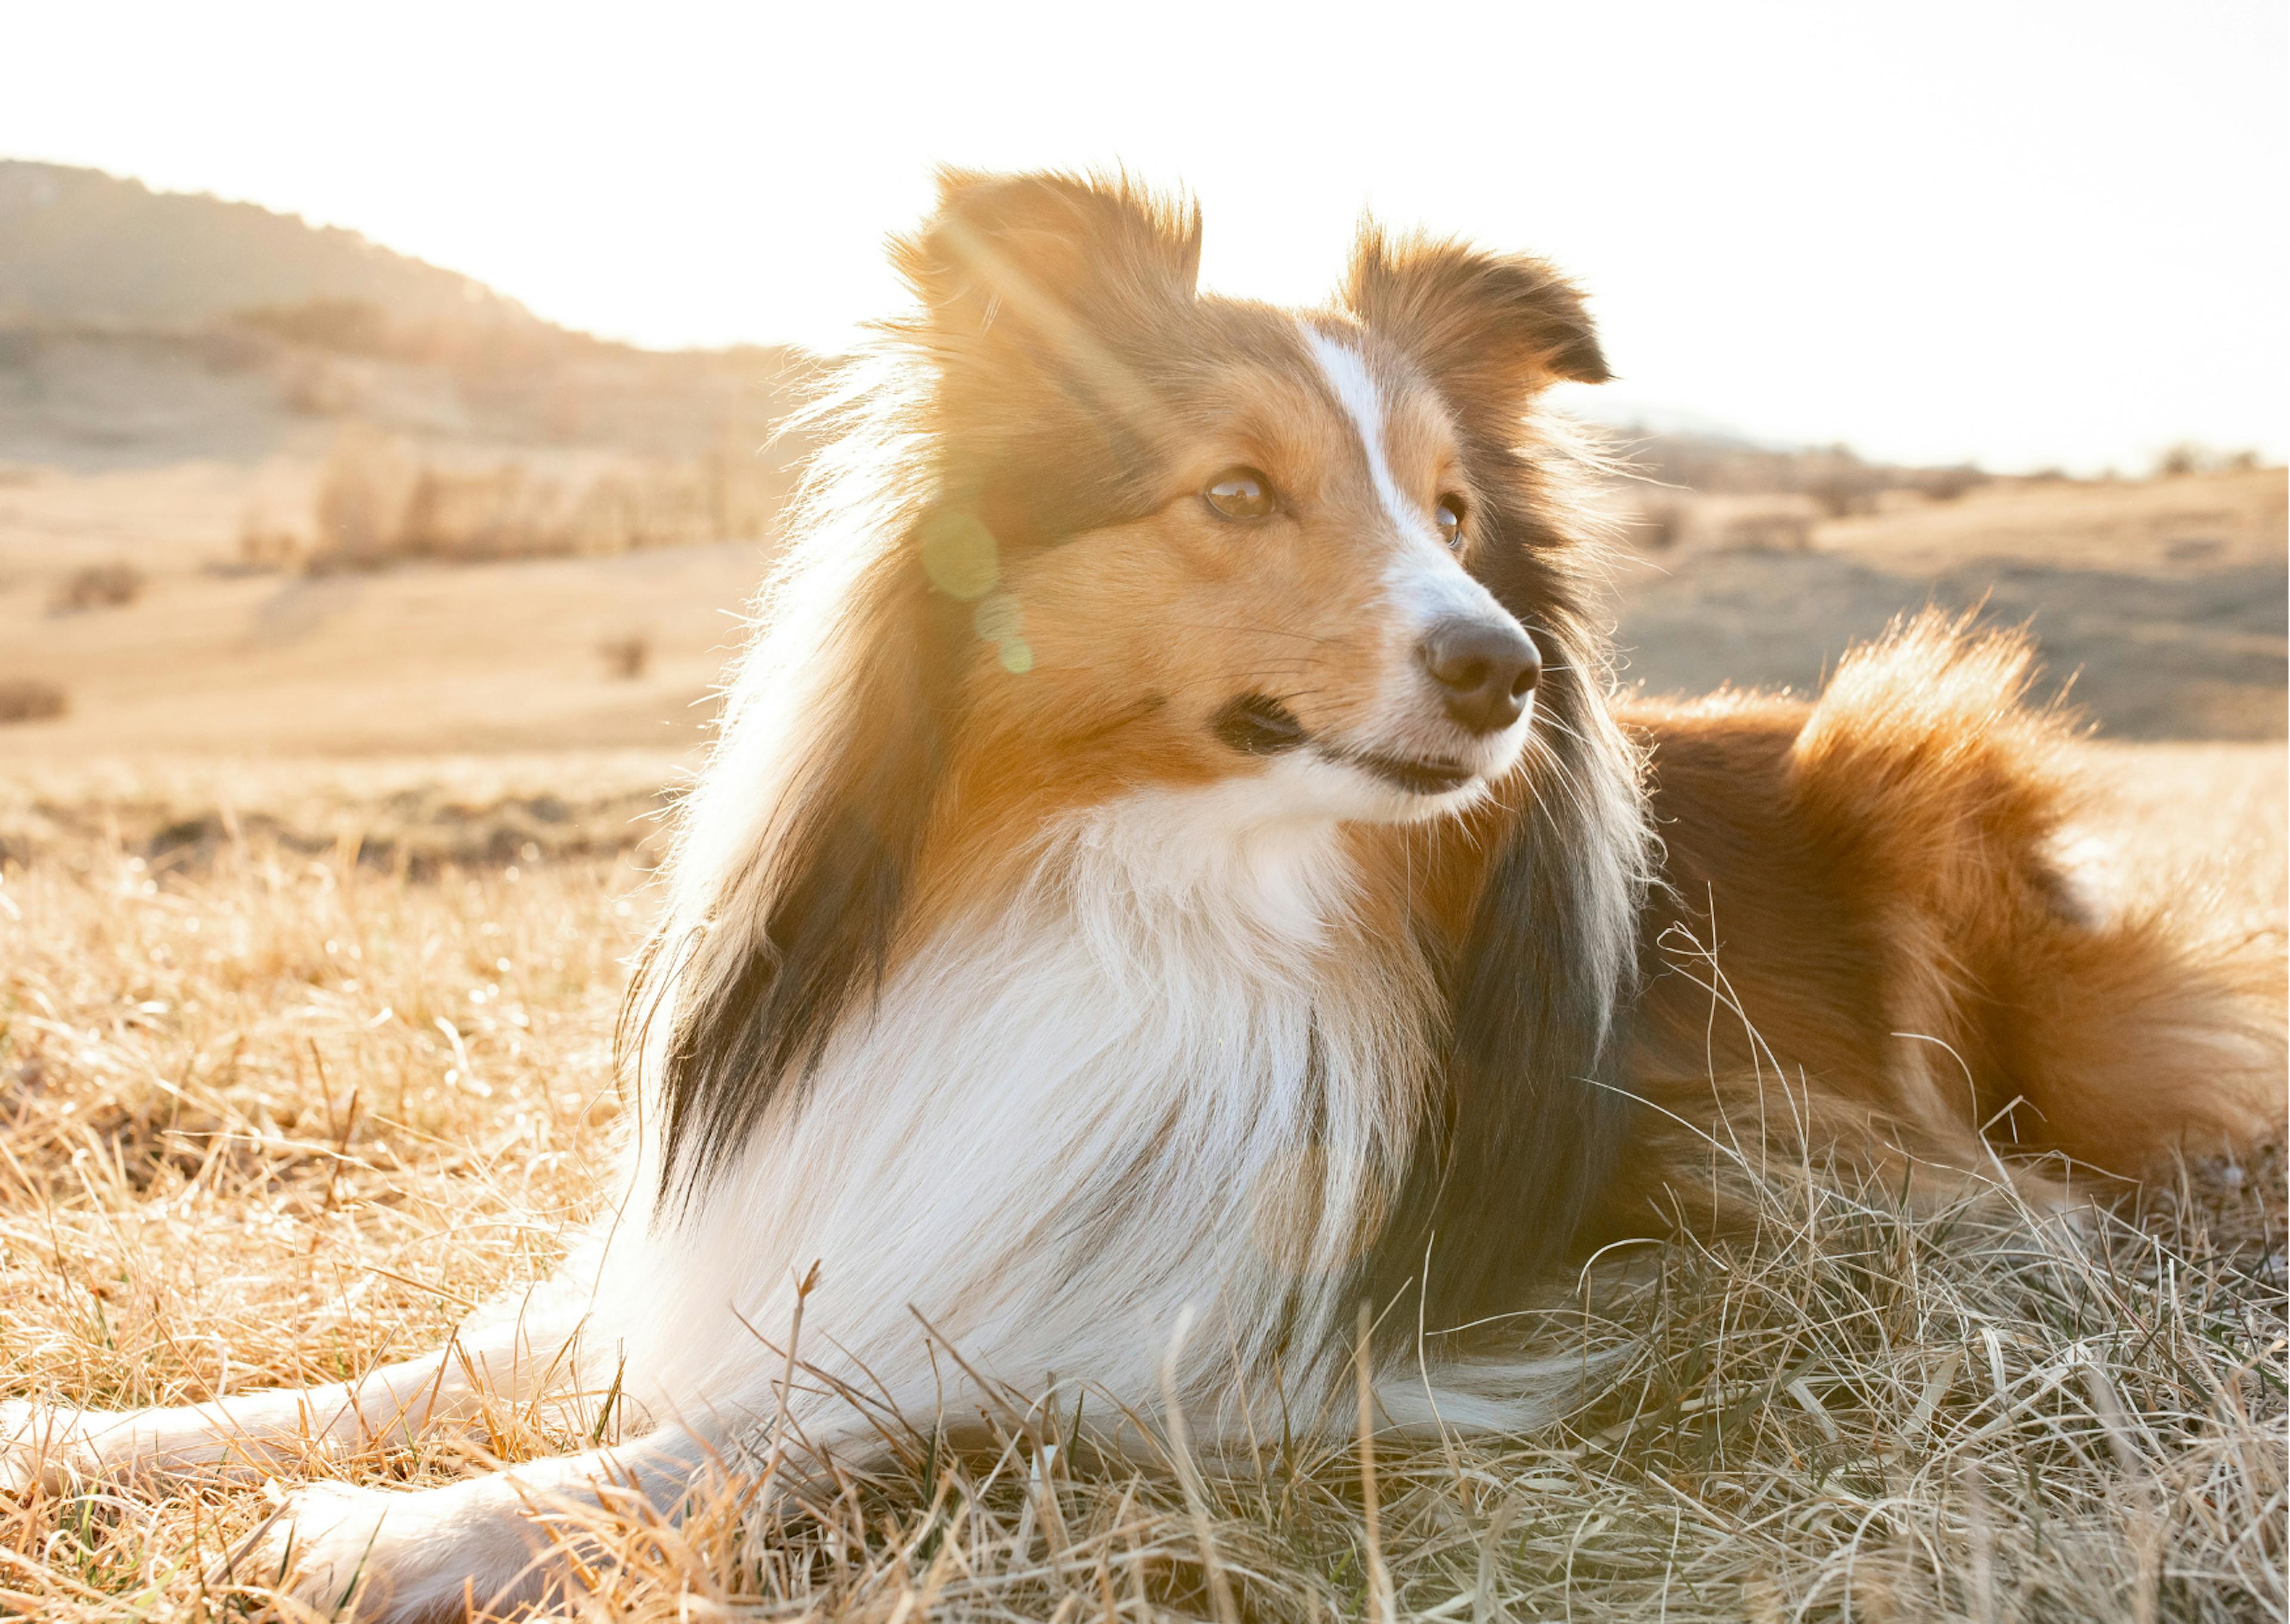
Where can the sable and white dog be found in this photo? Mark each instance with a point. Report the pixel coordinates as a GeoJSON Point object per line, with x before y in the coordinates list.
{"type": "Point", "coordinates": [1172, 852]}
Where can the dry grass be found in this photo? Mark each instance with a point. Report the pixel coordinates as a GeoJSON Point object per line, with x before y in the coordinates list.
{"type": "Point", "coordinates": [269, 1113]}
{"type": "Point", "coordinates": [412, 815]}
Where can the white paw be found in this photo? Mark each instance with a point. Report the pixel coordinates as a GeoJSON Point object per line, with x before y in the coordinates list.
{"type": "Point", "coordinates": [395, 1556]}
{"type": "Point", "coordinates": [19, 1448]}
{"type": "Point", "coordinates": [45, 1446]}
{"type": "Point", "coordinates": [317, 1547]}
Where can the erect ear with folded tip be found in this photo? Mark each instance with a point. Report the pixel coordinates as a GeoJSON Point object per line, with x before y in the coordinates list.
{"type": "Point", "coordinates": [1043, 296]}
{"type": "Point", "coordinates": [1491, 330]}
{"type": "Point", "coordinates": [1042, 258]}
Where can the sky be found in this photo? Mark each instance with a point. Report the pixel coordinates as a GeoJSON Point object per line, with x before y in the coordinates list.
{"type": "Point", "coordinates": [2015, 232]}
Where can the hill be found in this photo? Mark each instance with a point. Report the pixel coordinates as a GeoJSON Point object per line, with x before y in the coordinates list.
{"type": "Point", "coordinates": [141, 329]}
{"type": "Point", "coordinates": [81, 248]}
{"type": "Point", "coordinates": [2157, 604]}
{"type": "Point", "coordinates": [2163, 600]}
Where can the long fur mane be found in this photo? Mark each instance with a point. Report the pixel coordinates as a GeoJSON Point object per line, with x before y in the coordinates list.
{"type": "Point", "coordinates": [792, 867]}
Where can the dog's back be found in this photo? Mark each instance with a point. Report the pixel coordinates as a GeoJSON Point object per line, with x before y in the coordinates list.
{"type": "Point", "coordinates": [1873, 925]}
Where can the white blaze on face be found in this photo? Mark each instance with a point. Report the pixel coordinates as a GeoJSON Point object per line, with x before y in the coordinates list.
{"type": "Point", "coordinates": [1425, 577]}
{"type": "Point", "coordinates": [1347, 378]}
{"type": "Point", "coordinates": [1426, 584]}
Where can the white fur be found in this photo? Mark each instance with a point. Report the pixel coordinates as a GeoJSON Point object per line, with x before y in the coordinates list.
{"type": "Point", "coordinates": [509, 1360]}
{"type": "Point", "coordinates": [1354, 387]}
{"type": "Point", "coordinates": [498, 1539]}
{"type": "Point", "coordinates": [1428, 584]}
{"type": "Point", "coordinates": [1134, 1050]}
{"type": "Point", "coordinates": [2091, 869]}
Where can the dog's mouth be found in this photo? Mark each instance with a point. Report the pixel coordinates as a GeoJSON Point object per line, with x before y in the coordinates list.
{"type": "Point", "coordinates": [1258, 724]}
{"type": "Point", "coordinates": [1426, 776]}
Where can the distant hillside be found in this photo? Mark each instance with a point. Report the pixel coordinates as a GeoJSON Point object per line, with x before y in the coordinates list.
{"type": "Point", "coordinates": [142, 329]}
{"type": "Point", "coordinates": [81, 248]}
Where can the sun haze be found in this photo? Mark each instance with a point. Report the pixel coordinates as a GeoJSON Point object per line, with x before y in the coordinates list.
{"type": "Point", "coordinates": [2043, 235]}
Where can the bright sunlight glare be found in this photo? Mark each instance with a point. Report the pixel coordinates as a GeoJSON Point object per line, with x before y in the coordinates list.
{"type": "Point", "coordinates": [2041, 234]}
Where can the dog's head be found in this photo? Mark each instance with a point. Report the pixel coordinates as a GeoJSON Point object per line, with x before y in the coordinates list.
{"type": "Point", "coordinates": [1178, 538]}
{"type": "Point", "coordinates": [1098, 534]}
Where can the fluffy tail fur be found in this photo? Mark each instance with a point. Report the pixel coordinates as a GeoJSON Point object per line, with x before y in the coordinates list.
{"type": "Point", "coordinates": [2114, 1033]}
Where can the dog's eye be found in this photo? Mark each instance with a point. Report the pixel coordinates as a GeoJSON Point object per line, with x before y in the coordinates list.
{"type": "Point", "coordinates": [1450, 515]}
{"type": "Point", "coordinates": [1239, 493]}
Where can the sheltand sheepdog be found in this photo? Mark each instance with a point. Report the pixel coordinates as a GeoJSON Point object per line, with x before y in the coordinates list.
{"type": "Point", "coordinates": [1175, 870]}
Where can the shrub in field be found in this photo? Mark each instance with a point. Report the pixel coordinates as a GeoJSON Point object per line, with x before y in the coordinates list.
{"type": "Point", "coordinates": [362, 495]}
{"type": "Point", "coordinates": [1659, 520]}
{"type": "Point", "coordinates": [2192, 457]}
{"type": "Point", "coordinates": [1679, 521]}
{"type": "Point", "coordinates": [99, 586]}
{"type": "Point", "coordinates": [1774, 530]}
{"type": "Point", "coordinates": [627, 658]}
{"type": "Point", "coordinates": [1837, 481]}
{"type": "Point", "coordinates": [31, 698]}
{"type": "Point", "coordinates": [380, 502]}
{"type": "Point", "coordinates": [265, 545]}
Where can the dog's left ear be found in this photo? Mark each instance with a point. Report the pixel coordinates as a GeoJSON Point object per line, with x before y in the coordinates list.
{"type": "Point", "coordinates": [1493, 330]}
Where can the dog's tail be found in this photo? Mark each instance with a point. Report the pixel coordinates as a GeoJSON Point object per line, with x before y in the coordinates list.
{"type": "Point", "coordinates": [2111, 1030]}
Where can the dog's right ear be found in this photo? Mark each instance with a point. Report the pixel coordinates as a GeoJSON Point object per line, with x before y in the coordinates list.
{"type": "Point", "coordinates": [1047, 259]}
{"type": "Point", "coordinates": [1042, 297]}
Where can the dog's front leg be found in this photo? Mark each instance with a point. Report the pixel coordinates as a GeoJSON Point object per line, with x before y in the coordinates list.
{"type": "Point", "coordinates": [259, 1434]}
{"type": "Point", "coordinates": [506, 1539]}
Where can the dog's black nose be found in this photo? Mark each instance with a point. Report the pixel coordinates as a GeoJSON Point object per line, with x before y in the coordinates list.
{"type": "Point", "coordinates": [1485, 669]}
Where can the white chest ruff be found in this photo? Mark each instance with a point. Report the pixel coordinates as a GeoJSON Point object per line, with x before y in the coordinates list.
{"type": "Point", "coordinates": [1155, 1081]}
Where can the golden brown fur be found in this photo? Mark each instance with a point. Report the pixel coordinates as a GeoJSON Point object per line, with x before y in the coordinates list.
{"type": "Point", "coordinates": [1870, 945]}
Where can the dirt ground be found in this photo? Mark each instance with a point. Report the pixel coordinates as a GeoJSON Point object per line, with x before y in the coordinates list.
{"type": "Point", "coordinates": [2160, 606]}
{"type": "Point", "coordinates": [482, 658]}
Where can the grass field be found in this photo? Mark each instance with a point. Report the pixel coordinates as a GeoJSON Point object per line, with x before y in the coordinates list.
{"type": "Point", "coordinates": [299, 1060]}
{"type": "Point", "coordinates": [314, 910]}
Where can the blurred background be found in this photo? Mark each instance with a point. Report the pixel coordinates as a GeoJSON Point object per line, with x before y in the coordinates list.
{"type": "Point", "coordinates": [391, 402]}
